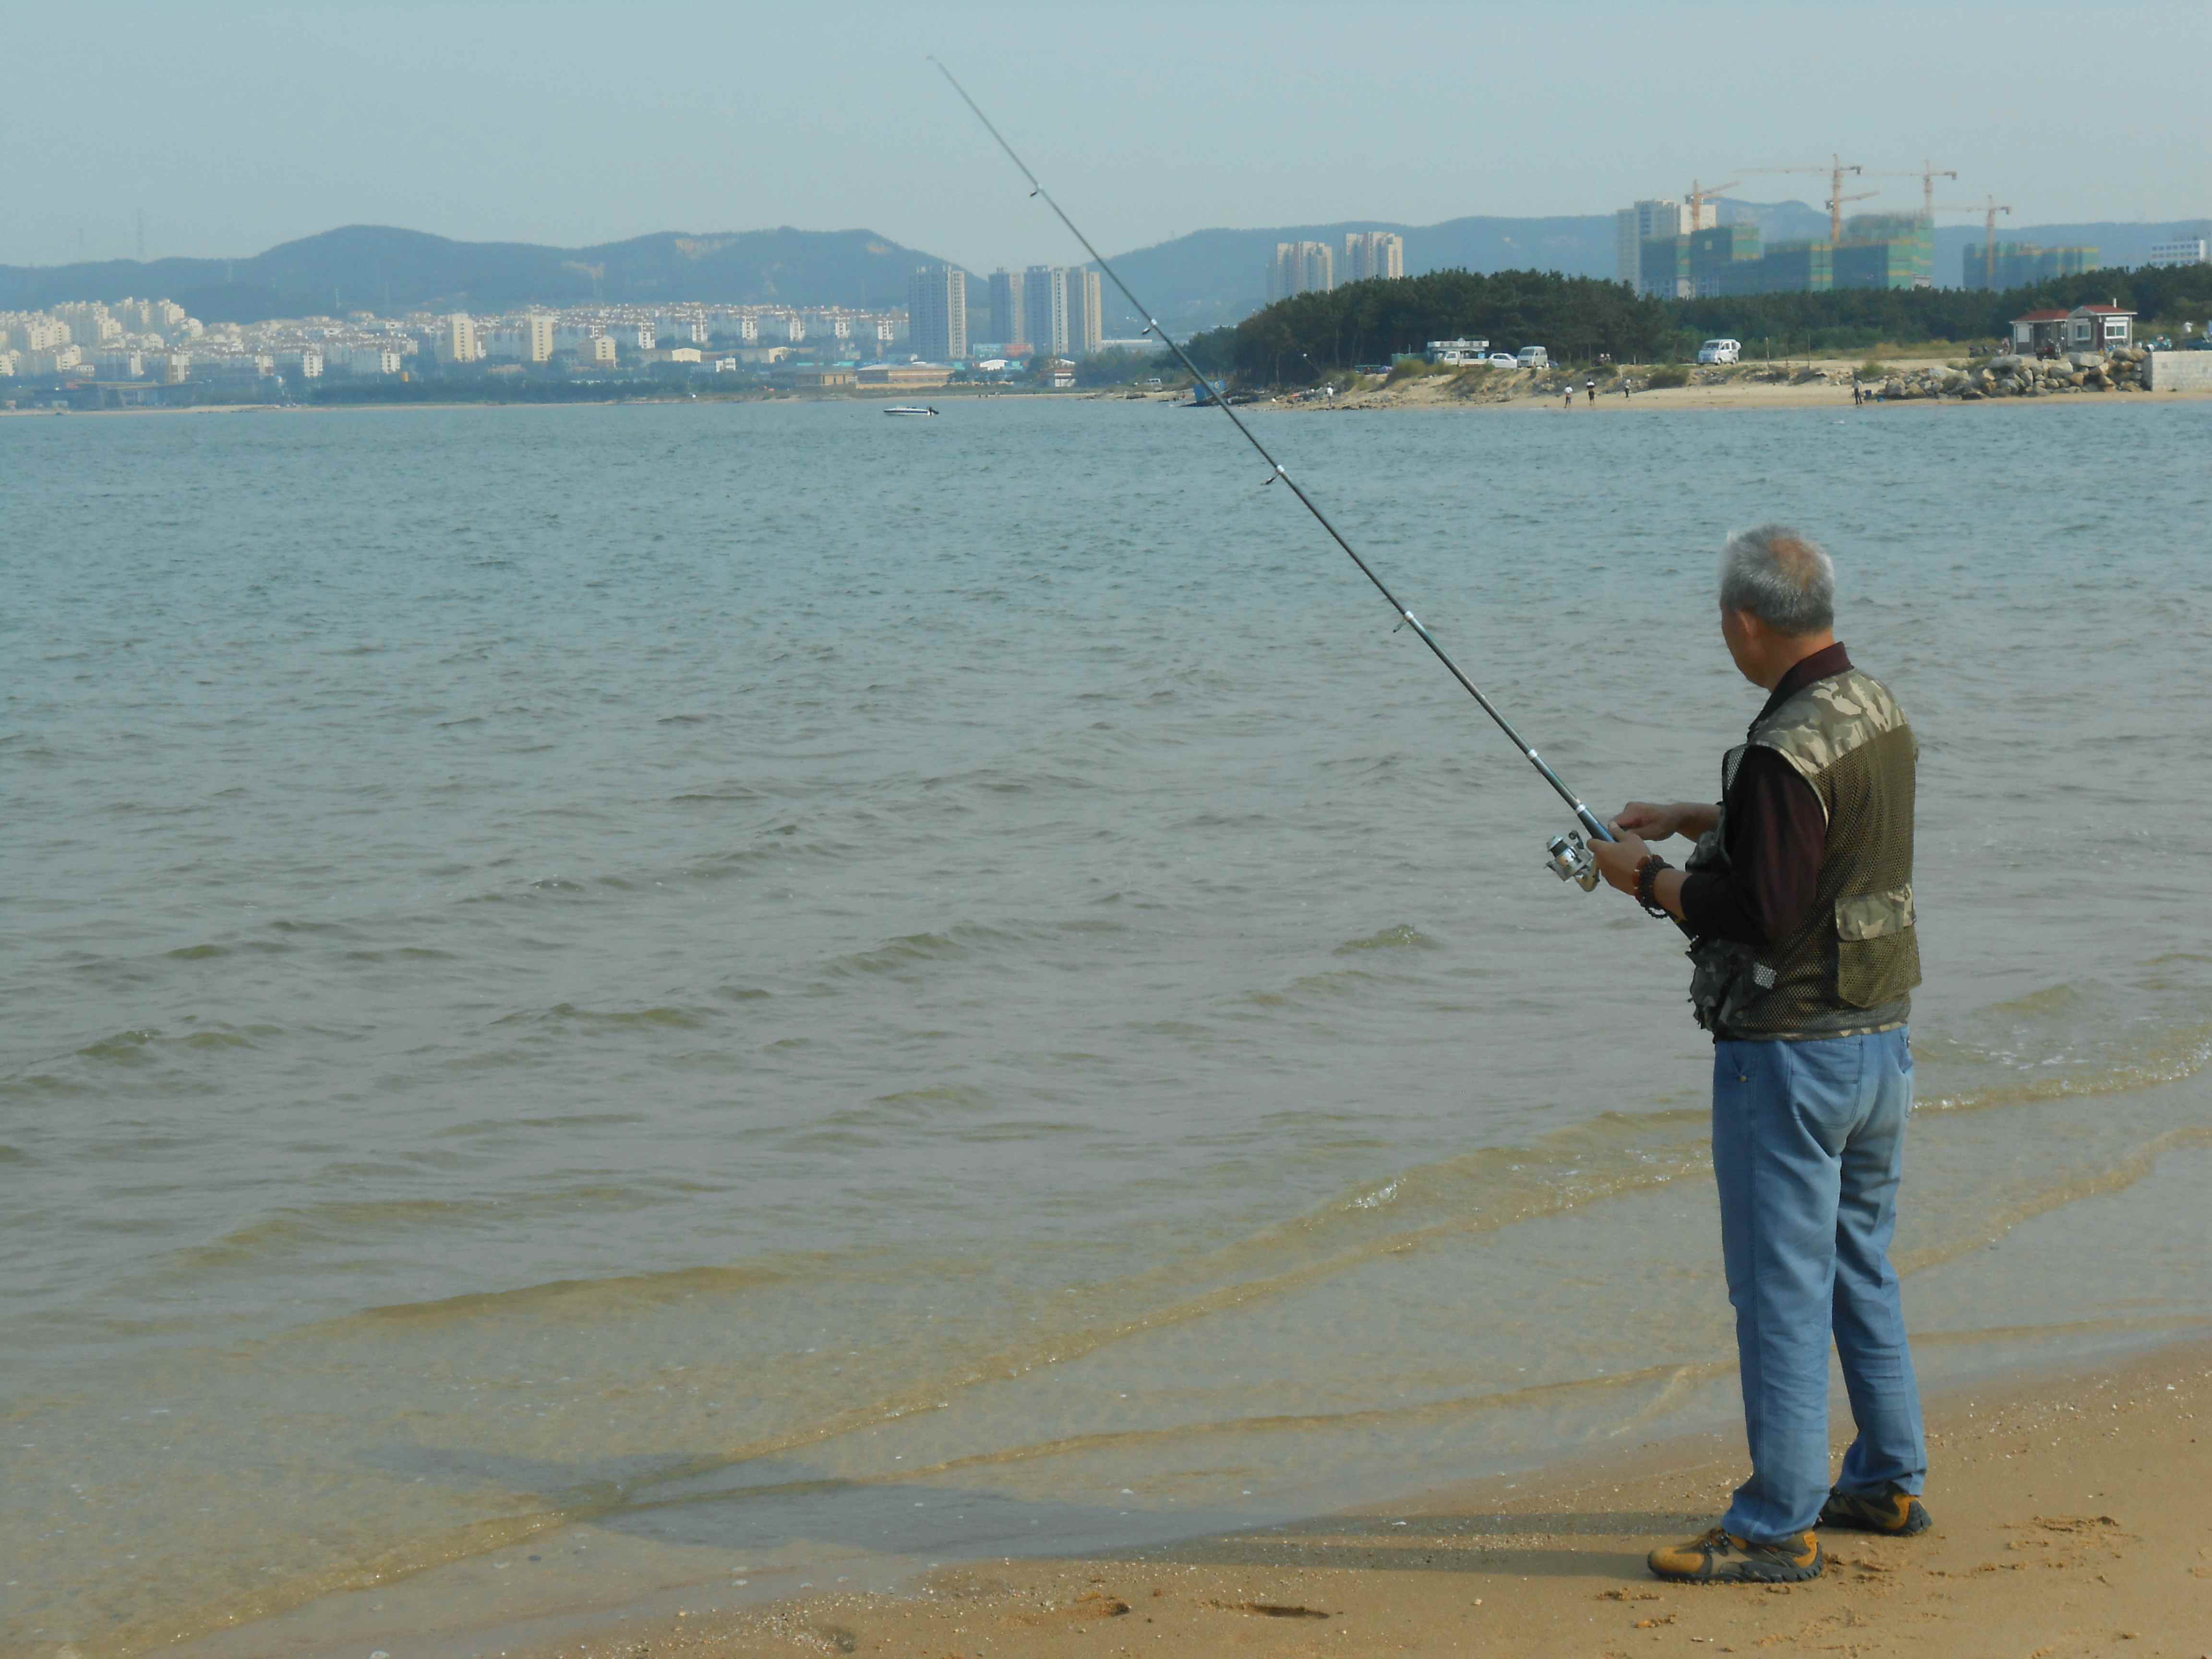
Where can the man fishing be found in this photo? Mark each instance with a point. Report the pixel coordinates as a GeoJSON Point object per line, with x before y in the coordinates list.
{"type": "Point", "coordinates": [1799, 896]}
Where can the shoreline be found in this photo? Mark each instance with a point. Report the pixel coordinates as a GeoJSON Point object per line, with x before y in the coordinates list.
{"type": "Point", "coordinates": [2067, 1520]}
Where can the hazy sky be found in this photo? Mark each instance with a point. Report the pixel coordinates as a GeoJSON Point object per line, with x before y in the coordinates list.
{"type": "Point", "coordinates": [234, 127]}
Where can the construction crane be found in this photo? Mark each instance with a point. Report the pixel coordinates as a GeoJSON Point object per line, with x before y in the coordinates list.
{"type": "Point", "coordinates": [1926, 173]}
{"type": "Point", "coordinates": [1698, 194]}
{"type": "Point", "coordinates": [1989, 208]}
{"type": "Point", "coordinates": [1836, 169]}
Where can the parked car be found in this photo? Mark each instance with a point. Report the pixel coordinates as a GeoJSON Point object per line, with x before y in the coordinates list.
{"type": "Point", "coordinates": [1720, 352]}
{"type": "Point", "coordinates": [1502, 360]}
{"type": "Point", "coordinates": [1533, 357]}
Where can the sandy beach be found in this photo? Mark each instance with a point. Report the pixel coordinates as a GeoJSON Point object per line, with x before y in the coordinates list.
{"type": "Point", "coordinates": [2069, 1520]}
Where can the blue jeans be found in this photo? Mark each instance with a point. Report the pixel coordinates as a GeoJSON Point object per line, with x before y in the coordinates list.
{"type": "Point", "coordinates": [1809, 1141]}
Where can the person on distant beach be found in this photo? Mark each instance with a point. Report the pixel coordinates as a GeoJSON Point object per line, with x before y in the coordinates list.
{"type": "Point", "coordinates": [1570, 394]}
{"type": "Point", "coordinates": [1799, 902]}
{"type": "Point", "coordinates": [1588, 386]}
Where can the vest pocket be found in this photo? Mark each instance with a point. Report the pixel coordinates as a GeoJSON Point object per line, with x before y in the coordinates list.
{"type": "Point", "coordinates": [1877, 950]}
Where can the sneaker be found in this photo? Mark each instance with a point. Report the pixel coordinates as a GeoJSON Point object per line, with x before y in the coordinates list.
{"type": "Point", "coordinates": [1722, 1558]}
{"type": "Point", "coordinates": [1893, 1510]}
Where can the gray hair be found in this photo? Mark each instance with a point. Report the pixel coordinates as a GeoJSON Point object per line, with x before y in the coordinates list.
{"type": "Point", "coordinates": [1785, 579]}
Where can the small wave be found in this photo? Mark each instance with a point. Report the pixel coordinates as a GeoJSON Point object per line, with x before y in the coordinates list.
{"type": "Point", "coordinates": [945, 1095]}
{"type": "Point", "coordinates": [34, 1085]}
{"type": "Point", "coordinates": [197, 952]}
{"type": "Point", "coordinates": [1403, 937]}
{"type": "Point", "coordinates": [584, 1299]}
{"type": "Point", "coordinates": [896, 954]}
{"type": "Point", "coordinates": [681, 1019]}
{"type": "Point", "coordinates": [1375, 1199]}
{"type": "Point", "coordinates": [123, 1049]}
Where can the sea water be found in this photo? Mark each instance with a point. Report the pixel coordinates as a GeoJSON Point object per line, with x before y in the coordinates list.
{"type": "Point", "coordinates": [600, 998]}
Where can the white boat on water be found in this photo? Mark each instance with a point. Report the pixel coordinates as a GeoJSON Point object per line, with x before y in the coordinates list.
{"type": "Point", "coordinates": [909, 408]}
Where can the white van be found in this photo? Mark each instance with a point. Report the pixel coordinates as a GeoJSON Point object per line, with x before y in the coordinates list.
{"type": "Point", "coordinates": [1533, 357]}
{"type": "Point", "coordinates": [1720, 352]}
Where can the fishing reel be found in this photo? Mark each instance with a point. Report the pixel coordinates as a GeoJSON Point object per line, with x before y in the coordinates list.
{"type": "Point", "coordinates": [1570, 861]}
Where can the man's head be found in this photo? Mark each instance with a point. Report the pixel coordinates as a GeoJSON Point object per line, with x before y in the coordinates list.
{"type": "Point", "coordinates": [1777, 601]}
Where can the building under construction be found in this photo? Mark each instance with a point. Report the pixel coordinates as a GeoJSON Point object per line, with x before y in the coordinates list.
{"type": "Point", "coordinates": [1877, 250]}
{"type": "Point", "coordinates": [2022, 265]}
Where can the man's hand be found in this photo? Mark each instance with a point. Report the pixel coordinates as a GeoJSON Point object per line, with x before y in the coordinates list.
{"type": "Point", "coordinates": [1617, 860]}
{"type": "Point", "coordinates": [1655, 822]}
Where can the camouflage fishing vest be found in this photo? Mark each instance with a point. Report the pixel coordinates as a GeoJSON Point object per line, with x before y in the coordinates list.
{"type": "Point", "coordinates": [1850, 965]}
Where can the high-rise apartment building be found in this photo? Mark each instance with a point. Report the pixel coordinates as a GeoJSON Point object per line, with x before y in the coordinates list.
{"type": "Point", "coordinates": [937, 312]}
{"type": "Point", "coordinates": [538, 338]}
{"type": "Point", "coordinates": [2187, 250]}
{"type": "Point", "coordinates": [1009, 316]}
{"type": "Point", "coordinates": [1087, 312]}
{"type": "Point", "coordinates": [1301, 268]}
{"type": "Point", "coordinates": [1062, 310]}
{"type": "Point", "coordinates": [1044, 309]}
{"type": "Point", "coordinates": [1368, 254]}
{"type": "Point", "coordinates": [457, 339]}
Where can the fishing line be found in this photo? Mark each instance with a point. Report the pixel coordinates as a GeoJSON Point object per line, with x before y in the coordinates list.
{"type": "Point", "coordinates": [1569, 857]}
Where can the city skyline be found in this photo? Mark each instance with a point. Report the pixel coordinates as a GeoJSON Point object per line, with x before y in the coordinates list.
{"type": "Point", "coordinates": [515, 133]}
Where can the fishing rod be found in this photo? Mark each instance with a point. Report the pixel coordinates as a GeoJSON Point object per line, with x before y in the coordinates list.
{"type": "Point", "coordinates": [1569, 856]}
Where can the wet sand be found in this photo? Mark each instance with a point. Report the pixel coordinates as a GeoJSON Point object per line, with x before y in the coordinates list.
{"type": "Point", "coordinates": [2070, 1516]}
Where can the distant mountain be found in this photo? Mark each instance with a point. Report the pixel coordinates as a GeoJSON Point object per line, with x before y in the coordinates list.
{"type": "Point", "coordinates": [1215, 276]}
{"type": "Point", "coordinates": [377, 268]}
{"type": "Point", "coordinates": [1200, 281]}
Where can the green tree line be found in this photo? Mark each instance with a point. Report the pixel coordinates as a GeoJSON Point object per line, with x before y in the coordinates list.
{"type": "Point", "coordinates": [1299, 340]}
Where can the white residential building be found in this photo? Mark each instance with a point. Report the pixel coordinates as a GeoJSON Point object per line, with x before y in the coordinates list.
{"type": "Point", "coordinates": [305, 362]}
{"type": "Point", "coordinates": [38, 332]}
{"type": "Point", "coordinates": [2188, 250]}
{"type": "Point", "coordinates": [457, 339]}
{"type": "Point", "coordinates": [1368, 254]}
{"type": "Point", "coordinates": [119, 364]}
{"type": "Point", "coordinates": [1301, 268]}
{"type": "Point", "coordinates": [373, 360]}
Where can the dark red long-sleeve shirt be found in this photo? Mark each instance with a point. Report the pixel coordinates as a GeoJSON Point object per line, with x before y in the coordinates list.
{"type": "Point", "coordinates": [1776, 835]}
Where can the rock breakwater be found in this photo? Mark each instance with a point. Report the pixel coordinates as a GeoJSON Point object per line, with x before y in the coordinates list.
{"type": "Point", "coordinates": [2022, 376]}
